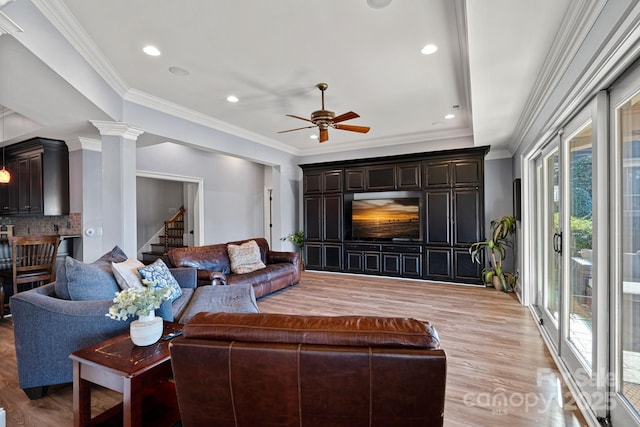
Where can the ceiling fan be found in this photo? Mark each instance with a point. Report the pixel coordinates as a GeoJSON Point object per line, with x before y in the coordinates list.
{"type": "Point", "coordinates": [324, 119]}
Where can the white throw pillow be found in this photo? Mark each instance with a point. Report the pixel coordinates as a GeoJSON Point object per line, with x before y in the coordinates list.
{"type": "Point", "coordinates": [126, 273]}
{"type": "Point", "coordinates": [245, 258]}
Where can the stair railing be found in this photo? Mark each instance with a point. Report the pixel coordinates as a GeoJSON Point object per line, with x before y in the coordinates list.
{"type": "Point", "coordinates": [179, 216]}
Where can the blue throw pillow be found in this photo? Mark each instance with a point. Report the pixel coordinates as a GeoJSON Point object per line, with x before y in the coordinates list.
{"type": "Point", "coordinates": [61, 286]}
{"type": "Point", "coordinates": [90, 282]}
{"type": "Point", "coordinates": [159, 272]}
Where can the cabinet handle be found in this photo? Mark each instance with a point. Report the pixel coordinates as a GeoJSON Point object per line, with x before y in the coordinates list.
{"type": "Point", "coordinates": [27, 207]}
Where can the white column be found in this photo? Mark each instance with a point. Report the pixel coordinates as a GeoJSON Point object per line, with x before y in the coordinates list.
{"type": "Point", "coordinates": [118, 186]}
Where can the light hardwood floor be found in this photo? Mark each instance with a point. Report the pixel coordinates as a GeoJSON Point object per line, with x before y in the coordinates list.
{"type": "Point", "coordinates": [499, 370]}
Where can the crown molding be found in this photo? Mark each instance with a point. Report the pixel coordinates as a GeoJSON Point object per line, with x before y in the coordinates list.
{"type": "Point", "coordinates": [577, 22]}
{"type": "Point", "coordinates": [615, 53]}
{"type": "Point", "coordinates": [462, 35]}
{"type": "Point", "coordinates": [397, 140]}
{"type": "Point", "coordinates": [7, 25]}
{"type": "Point", "coordinates": [63, 20]}
{"type": "Point", "coordinates": [119, 129]}
{"type": "Point", "coordinates": [497, 154]}
{"type": "Point", "coordinates": [82, 143]}
{"type": "Point", "coordinates": [144, 99]}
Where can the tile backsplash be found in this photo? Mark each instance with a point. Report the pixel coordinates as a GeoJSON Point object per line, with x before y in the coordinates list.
{"type": "Point", "coordinates": [25, 225]}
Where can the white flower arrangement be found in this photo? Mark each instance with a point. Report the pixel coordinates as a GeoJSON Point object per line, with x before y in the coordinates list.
{"type": "Point", "coordinates": [138, 301]}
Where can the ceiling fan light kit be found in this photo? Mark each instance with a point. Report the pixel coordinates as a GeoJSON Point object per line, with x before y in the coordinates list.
{"type": "Point", "coordinates": [324, 119]}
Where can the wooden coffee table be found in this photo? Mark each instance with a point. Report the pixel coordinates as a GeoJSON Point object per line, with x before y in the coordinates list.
{"type": "Point", "coordinates": [141, 374]}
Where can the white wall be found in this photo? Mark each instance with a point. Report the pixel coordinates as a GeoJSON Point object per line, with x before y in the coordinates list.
{"type": "Point", "coordinates": [157, 200]}
{"type": "Point", "coordinates": [233, 188]}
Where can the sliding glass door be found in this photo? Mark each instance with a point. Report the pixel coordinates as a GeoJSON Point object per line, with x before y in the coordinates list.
{"type": "Point", "coordinates": [567, 295]}
{"type": "Point", "coordinates": [548, 234]}
{"type": "Point", "coordinates": [625, 319]}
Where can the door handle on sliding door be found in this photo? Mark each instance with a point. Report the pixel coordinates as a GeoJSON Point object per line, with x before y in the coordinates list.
{"type": "Point", "coordinates": [557, 243]}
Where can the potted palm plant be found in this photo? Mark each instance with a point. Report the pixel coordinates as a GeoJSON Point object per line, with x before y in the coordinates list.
{"type": "Point", "coordinates": [496, 249]}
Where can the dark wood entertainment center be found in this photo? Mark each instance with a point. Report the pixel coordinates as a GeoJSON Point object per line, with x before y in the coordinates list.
{"type": "Point", "coordinates": [450, 188]}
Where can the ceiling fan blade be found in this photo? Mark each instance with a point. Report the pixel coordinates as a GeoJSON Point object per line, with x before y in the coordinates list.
{"type": "Point", "coordinates": [298, 117]}
{"type": "Point", "coordinates": [291, 130]}
{"type": "Point", "coordinates": [361, 129]}
{"type": "Point", "coordinates": [324, 135]}
{"type": "Point", "coordinates": [346, 116]}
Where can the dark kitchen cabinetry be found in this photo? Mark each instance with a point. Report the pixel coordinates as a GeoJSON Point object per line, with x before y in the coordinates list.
{"type": "Point", "coordinates": [39, 183]}
{"type": "Point", "coordinates": [450, 188]}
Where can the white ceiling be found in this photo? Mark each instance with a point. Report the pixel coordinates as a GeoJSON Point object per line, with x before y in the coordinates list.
{"type": "Point", "coordinates": [271, 54]}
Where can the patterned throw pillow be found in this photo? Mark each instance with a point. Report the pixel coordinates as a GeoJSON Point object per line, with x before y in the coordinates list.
{"type": "Point", "coordinates": [245, 258]}
{"type": "Point", "coordinates": [158, 271]}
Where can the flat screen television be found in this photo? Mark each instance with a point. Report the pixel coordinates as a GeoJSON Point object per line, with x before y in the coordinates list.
{"type": "Point", "coordinates": [386, 219]}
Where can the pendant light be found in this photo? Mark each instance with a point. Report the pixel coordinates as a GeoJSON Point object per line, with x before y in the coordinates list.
{"type": "Point", "coordinates": [5, 176]}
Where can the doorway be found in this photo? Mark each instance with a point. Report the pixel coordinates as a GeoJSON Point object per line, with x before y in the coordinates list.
{"type": "Point", "coordinates": [193, 202]}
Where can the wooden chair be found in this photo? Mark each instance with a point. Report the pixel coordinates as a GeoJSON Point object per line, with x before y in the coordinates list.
{"type": "Point", "coordinates": [33, 261]}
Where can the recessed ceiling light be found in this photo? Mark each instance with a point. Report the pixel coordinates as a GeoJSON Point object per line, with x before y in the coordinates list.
{"type": "Point", "coordinates": [378, 4]}
{"type": "Point", "coordinates": [429, 49]}
{"type": "Point", "coordinates": [314, 136]}
{"type": "Point", "coordinates": [151, 50]}
{"type": "Point", "coordinates": [178, 71]}
{"type": "Point", "coordinates": [449, 116]}
{"type": "Point", "coordinates": [232, 98]}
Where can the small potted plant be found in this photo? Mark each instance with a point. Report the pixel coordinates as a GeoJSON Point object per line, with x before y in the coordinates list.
{"type": "Point", "coordinates": [297, 238]}
{"type": "Point", "coordinates": [496, 248]}
{"type": "Point", "coordinates": [141, 302]}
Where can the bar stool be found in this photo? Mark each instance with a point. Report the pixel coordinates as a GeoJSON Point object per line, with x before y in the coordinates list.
{"type": "Point", "coordinates": [33, 260]}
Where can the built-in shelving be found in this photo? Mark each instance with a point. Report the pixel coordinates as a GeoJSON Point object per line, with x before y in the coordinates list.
{"type": "Point", "coordinates": [450, 188]}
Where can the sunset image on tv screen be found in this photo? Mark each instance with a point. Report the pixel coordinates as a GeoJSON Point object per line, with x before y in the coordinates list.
{"type": "Point", "coordinates": [386, 218]}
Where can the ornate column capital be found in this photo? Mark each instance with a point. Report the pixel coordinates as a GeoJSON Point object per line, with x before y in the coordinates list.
{"type": "Point", "coordinates": [120, 129]}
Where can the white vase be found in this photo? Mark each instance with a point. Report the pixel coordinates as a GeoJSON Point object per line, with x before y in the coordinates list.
{"type": "Point", "coordinates": [146, 330]}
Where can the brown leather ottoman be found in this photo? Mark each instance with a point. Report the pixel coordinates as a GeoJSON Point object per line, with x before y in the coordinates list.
{"type": "Point", "coordinates": [220, 298]}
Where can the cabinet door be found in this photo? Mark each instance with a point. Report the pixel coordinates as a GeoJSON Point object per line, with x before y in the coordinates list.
{"type": "Point", "coordinates": [354, 179]}
{"type": "Point", "coordinates": [23, 182]}
{"type": "Point", "coordinates": [372, 262]}
{"type": "Point", "coordinates": [312, 183]}
{"type": "Point", "coordinates": [332, 255]}
{"type": "Point", "coordinates": [35, 183]}
{"type": "Point", "coordinates": [408, 176]}
{"type": "Point", "coordinates": [313, 217]}
{"type": "Point", "coordinates": [467, 172]}
{"type": "Point", "coordinates": [438, 216]}
{"type": "Point", "coordinates": [465, 270]}
{"type": "Point", "coordinates": [332, 181]}
{"type": "Point", "coordinates": [332, 210]}
{"type": "Point", "coordinates": [380, 178]}
{"type": "Point", "coordinates": [354, 261]}
{"type": "Point", "coordinates": [9, 192]}
{"type": "Point", "coordinates": [438, 263]}
{"type": "Point", "coordinates": [411, 265]}
{"type": "Point", "coordinates": [391, 264]}
{"type": "Point", "coordinates": [466, 209]}
{"type": "Point", "coordinates": [313, 255]}
{"type": "Point", "coordinates": [437, 174]}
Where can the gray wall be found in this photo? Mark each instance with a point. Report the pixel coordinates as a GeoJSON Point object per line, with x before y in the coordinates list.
{"type": "Point", "coordinates": [233, 188]}
{"type": "Point", "coordinates": [498, 197]}
{"type": "Point", "coordinates": [157, 200]}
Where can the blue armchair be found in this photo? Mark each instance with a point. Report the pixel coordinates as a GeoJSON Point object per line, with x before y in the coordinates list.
{"type": "Point", "coordinates": [47, 329]}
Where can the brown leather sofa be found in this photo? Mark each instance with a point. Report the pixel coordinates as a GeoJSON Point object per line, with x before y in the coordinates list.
{"type": "Point", "coordinates": [264, 369]}
{"type": "Point", "coordinates": [214, 268]}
